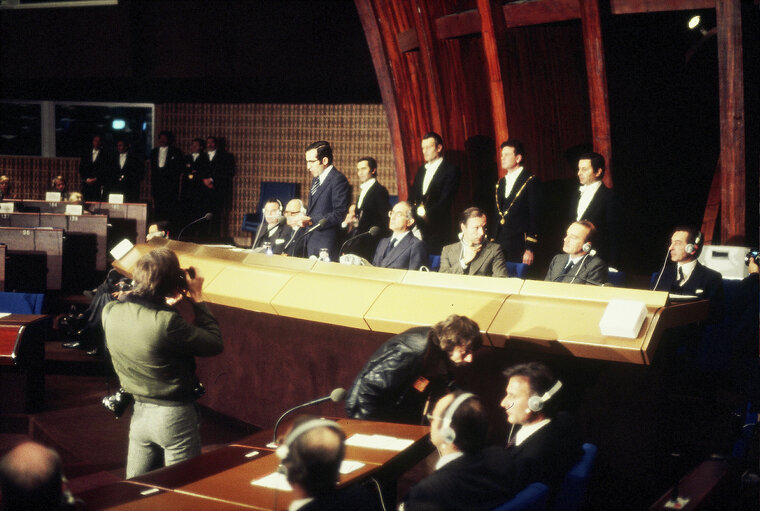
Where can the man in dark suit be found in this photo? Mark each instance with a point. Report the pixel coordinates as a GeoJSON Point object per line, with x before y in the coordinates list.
{"type": "Point", "coordinates": [473, 254]}
{"type": "Point", "coordinates": [518, 206]}
{"type": "Point", "coordinates": [295, 241]}
{"type": "Point", "coordinates": [93, 170]}
{"type": "Point", "coordinates": [687, 276]}
{"type": "Point", "coordinates": [126, 173]}
{"type": "Point", "coordinates": [273, 230]}
{"type": "Point", "coordinates": [166, 164]}
{"type": "Point", "coordinates": [548, 443]}
{"type": "Point", "coordinates": [468, 475]}
{"type": "Point", "coordinates": [402, 250]}
{"type": "Point", "coordinates": [599, 205]}
{"type": "Point", "coordinates": [433, 192]}
{"type": "Point", "coordinates": [329, 197]}
{"type": "Point", "coordinates": [371, 210]}
{"type": "Point", "coordinates": [191, 191]}
{"type": "Point", "coordinates": [215, 189]}
{"type": "Point", "coordinates": [578, 264]}
{"type": "Point", "coordinates": [311, 455]}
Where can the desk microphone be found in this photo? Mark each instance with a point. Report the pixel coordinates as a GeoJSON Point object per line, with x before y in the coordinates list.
{"type": "Point", "coordinates": [280, 222]}
{"type": "Point", "coordinates": [207, 216]}
{"type": "Point", "coordinates": [373, 231]}
{"type": "Point", "coordinates": [322, 222]}
{"type": "Point", "coordinates": [335, 396]}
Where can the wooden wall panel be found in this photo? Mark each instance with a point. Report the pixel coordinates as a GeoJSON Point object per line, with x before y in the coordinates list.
{"type": "Point", "coordinates": [31, 176]}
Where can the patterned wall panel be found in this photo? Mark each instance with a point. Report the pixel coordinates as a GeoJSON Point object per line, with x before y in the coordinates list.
{"type": "Point", "coordinates": [31, 176]}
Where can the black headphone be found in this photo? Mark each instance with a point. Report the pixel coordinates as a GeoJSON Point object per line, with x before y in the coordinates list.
{"type": "Point", "coordinates": [448, 434]}
{"type": "Point", "coordinates": [536, 402]}
{"type": "Point", "coordinates": [693, 247]}
{"type": "Point", "coordinates": [283, 451]}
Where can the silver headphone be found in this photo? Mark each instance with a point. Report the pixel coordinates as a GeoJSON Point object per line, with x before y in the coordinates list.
{"type": "Point", "coordinates": [283, 451]}
{"type": "Point", "coordinates": [447, 432]}
{"type": "Point", "coordinates": [536, 402]}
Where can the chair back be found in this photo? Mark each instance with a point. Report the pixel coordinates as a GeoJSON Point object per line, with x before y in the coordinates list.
{"type": "Point", "coordinates": [532, 498]}
{"type": "Point", "coordinates": [518, 270]}
{"type": "Point", "coordinates": [21, 303]}
{"type": "Point", "coordinates": [573, 488]}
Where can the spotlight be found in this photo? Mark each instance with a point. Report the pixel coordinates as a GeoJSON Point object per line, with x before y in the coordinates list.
{"type": "Point", "coordinates": [118, 124]}
{"type": "Point", "coordinates": [696, 23]}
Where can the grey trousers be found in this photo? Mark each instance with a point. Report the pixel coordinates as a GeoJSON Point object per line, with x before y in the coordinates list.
{"type": "Point", "coordinates": [162, 433]}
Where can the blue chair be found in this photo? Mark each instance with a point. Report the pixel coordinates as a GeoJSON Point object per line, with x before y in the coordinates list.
{"type": "Point", "coordinates": [21, 303]}
{"type": "Point", "coordinates": [518, 270]}
{"type": "Point", "coordinates": [533, 497]}
{"type": "Point", "coordinates": [573, 488]}
{"type": "Point", "coordinates": [282, 191]}
{"type": "Point", "coordinates": [616, 278]}
{"type": "Point", "coordinates": [434, 262]}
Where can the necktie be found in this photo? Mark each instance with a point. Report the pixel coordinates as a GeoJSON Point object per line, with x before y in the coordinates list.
{"type": "Point", "coordinates": [567, 268]}
{"type": "Point", "coordinates": [390, 247]}
{"type": "Point", "coordinates": [314, 185]}
{"type": "Point", "coordinates": [681, 278]}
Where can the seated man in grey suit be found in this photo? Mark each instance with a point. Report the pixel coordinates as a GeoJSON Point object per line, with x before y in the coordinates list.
{"type": "Point", "coordinates": [578, 264]}
{"type": "Point", "coordinates": [402, 250]}
{"type": "Point", "coordinates": [474, 254]}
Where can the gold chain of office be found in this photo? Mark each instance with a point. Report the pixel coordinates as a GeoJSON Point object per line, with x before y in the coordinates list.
{"type": "Point", "coordinates": [496, 193]}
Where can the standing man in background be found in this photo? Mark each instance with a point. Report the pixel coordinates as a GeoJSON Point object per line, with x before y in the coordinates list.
{"type": "Point", "coordinates": [432, 195]}
{"type": "Point", "coordinates": [518, 206]}
{"type": "Point", "coordinates": [166, 164]}
{"type": "Point", "coordinates": [329, 197]}
{"type": "Point", "coordinates": [371, 210]}
{"type": "Point", "coordinates": [216, 187]}
{"type": "Point", "coordinates": [127, 172]}
{"type": "Point", "coordinates": [93, 169]}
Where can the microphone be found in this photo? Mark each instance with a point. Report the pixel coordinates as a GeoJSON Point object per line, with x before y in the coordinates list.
{"type": "Point", "coordinates": [336, 396]}
{"type": "Point", "coordinates": [207, 216]}
{"type": "Point", "coordinates": [280, 222]}
{"type": "Point", "coordinates": [589, 281]}
{"type": "Point", "coordinates": [373, 231]}
{"type": "Point", "coordinates": [322, 222]}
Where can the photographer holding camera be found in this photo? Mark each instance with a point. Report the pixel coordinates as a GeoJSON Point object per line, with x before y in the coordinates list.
{"type": "Point", "coordinates": [153, 349]}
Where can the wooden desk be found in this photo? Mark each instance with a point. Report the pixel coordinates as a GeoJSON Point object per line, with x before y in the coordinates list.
{"type": "Point", "coordinates": [22, 356]}
{"type": "Point", "coordinates": [125, 495]}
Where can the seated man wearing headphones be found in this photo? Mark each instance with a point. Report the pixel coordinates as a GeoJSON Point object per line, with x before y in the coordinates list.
{"type": "Point", "coordinates": [311, 456]}
{"type": "Point", "coordinates": [273, 230]}
{"type": "Point", "coordinates": [688, 276]}
{"type": "Point", "coordinates": [468, 475]}
{"type": "Point", "coordinates": [548, 443]}
{"type": "Point", "coordinates": [578, 263]}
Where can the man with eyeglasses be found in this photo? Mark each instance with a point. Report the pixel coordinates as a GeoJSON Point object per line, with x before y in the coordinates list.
{"type": "Point", "coordinates": [294, 242]}
{"type": "Point", "coordinates": [411, 370]}
{"type": "Point", "coordinates": [474, 254]}
{"type": "Point", "coordinates": [402, 250]}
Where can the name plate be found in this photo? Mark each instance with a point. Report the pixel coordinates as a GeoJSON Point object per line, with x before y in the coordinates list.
{"type": "Point", "coordinates": [116, 198]}
{"type": "Point", "coordinates": [6, 207]}
{"type": "Point", "coordinates": [53, 196]}
{"type": "Point", "coordinates": [623, 318]}
{"type": "Point", "coordinates": [73, 209]}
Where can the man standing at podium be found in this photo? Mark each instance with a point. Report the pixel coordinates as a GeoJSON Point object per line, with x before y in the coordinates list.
{"type": "Point", "coordinates": [410, 369]}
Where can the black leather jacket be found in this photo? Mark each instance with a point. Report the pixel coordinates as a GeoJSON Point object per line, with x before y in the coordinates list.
{"type": "Point", "coordinates": [385, 390]}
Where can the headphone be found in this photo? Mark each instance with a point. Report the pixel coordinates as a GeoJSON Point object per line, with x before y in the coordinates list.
{"type": "Point", "coordinates": [536, 402]}
{"type": "Point", "coordinates": [279, 204]}
{"type": "Point", "coordinates": [693, 247]}
{"type": "Point", "coordinates": [448, 434]}
{"type": "Point", "coordinates": [586, 247]}
{"type": "Point", "coordinates": [283, 451]}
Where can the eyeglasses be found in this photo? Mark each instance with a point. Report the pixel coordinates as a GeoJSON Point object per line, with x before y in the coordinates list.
{"type": "Point", "coordinates": [291, 213]}
{"type": "Point", "coordinates": [391, 214]}
{"type": "Point", "coordinates": [311, 162]}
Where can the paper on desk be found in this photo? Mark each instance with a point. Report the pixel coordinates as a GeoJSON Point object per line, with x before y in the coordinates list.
{"type": "Point", "coordinates": [348, 466]}
{"type": "Point", "coordinates": [384, 442]}
{"type": "Point", "coordinates": [275, 480]}
{"type": "Point", "coordinates": [3, 314]}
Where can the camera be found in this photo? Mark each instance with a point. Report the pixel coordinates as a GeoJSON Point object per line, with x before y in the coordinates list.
{"type": "Point", "coordinates": [752, 254]}
{"type": "Point", "coordinates": [118, 402]}
{"type": "Point", "coordinates": [182, 279]}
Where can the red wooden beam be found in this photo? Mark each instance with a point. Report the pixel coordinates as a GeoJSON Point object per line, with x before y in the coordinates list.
{"type": "Point", "coordinates": [407, 41]}
{"type": "Point", "coordinates": [461, 24]}
{"type": "Point", "coordinates": [423, 24]}
{"type": "Point", "coordinates": [492, 29]}
{"type": "Point", "coordinates": [597, 81]}
{"type": "Point", "coordinates": [732, 127]}
{"type": "Point", "coordinates": [639, 6]}
{"type": "Point", "coordinates": [540, 11]}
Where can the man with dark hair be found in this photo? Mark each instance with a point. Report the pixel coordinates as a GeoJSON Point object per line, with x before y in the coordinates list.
{"type": "Point", "coordinates": [518, 206]}
{"type": "Point", "coordinates": [126, 173]}
{"type": "Point", "coordinates": [215, 188]}
{"type": "Point", "coordinates": [578, 264]}
{"type": "Point", "coordinates": [401, 250]}
{"type": "Point", "coordinates": [166, 164]}
{"type": "Point", "coordinates": [273, 230]}
{"type": "Point", "coordinates": [191, 188]}
{"type": "Point", "coordinates": [687, 276]}
{"type": "Point", "coordinates": [153, 350]}
{"type": "Point", "coordinates": [410, 369]}
{"type": "Point", "coordinates": [93, 169]}
{"type": "Point", "coordinates": [468, 476]}
{"type": "Point", "coordinates": [548, 442]}
{"type": "Point", "coordinates": [599, 205]}
{"type": "Point", "coordinates": [328, 199]}
{"type": "Point", "coordinates": [474, 254]}
{"type": "Point", "coordinates": [30, 479]}
{"type": "Point", "coordinates": [371, 210]}
{"type": "Point", "coordinates": [433, 192]}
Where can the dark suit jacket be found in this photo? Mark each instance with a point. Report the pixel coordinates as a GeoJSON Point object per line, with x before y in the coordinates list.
{"type": "Point", "coordinates": [489, 261]}
{"type": "Point", "coordinates": [330, 202]}
{"type": "Point", "coordinates": [279, 237]}
{"type": "Point", "coordinates": [126, 180]}
{"type": "Point", "coordinates": [436, 226]}
{"type": "Point", "coordinates": [521, 212]}
{"type": "Point", "coordinates": [295, 243]}
{"type": "Point", "coordinates": [98, 169]}
{"type": "Point", "coordinates": [592, 268]}
{"type": "Point", "coordinates": [409, 254]}
{"type": "Point", "coordinates": [472, 482]}
{"type": "Point", "coordinates": [703, 282]}
{"type": "Point", "coordinates": [548, 454]}
{"type": "Point", "coordinates": [346, 499]}
{"type": "Point", "coordinates": [165, 181]}
{"type": "Point", "coordinates": [374, 212]}
{"type": "Point", "coordinates": [604, 212]}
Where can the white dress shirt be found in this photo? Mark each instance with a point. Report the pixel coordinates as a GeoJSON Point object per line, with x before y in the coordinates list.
{"type": "Point", "coordinates": [365, 186]}
{"type": "Point", "coordinates": [430, 169]}
{"type": "Point", "coordinates": [529, 429]}
{"type": "Point", "coordinates": [587, 195]}
{"type": "Point", "coordinates": [509, 181]}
